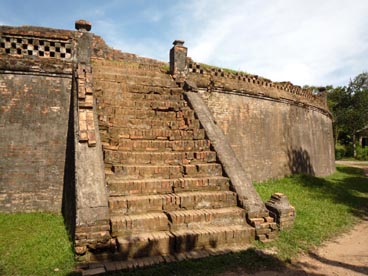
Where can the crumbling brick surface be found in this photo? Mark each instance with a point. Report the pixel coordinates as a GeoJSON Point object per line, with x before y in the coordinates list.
{"type": "Point", "coordinates": [86, 124]}
{"type": "Point", "coordinates": [168, 192]}
{"type": "Point", "coordinates": [275, 129]}
{"type": "Point", "coordinates": [226, 80]}
{"type": "Point", "coordinates": [168, 195]}
{"type": "Point", "coordinates": [281, 210]}
{"type": "Point", "coordinates": [35, 84]}
{"type": "Point", "coordinates": [34, 115]}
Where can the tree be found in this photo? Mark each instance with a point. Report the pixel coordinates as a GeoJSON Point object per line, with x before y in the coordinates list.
{"type": "Point", "coordinates": [357, 113]}
{"type": "Point", "coordinates": [338, 101]}
{"type": "Point", "coordinates": [349, 106]}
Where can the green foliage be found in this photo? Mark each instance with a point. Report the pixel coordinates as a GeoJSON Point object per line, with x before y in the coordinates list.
{"type": "Point", "coordinates": [324, 207]}
{"type": "Point", "coordinates": [349, 106]}
{"type": "Point", "coordinates": [34, 244]}
{"type": "Point", "coordinates": [165, 68]}
{"type": "Point", "coordinates": [361, 153]}
{"type": "Point", "coordinates": [340, 151]}
{"type": "Point", "coordinates": [227, 70]}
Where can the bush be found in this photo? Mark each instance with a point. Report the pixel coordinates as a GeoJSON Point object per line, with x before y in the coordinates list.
{"type": "Point", "coordinates": [361, 153]}
{"type": "Point", "coordinates": [340, 151]}
{"type": "Point", "coordinates": [349, 150]}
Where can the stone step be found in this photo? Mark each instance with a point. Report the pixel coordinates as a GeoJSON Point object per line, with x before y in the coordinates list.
{"type": "Point", "coordinates": [159, 96]}
{"type": "Point", "coordinates": [163, 145]}
{"type": "Point", "coordinates": [121, 70]}
{"type": "Point", "coordinates": [126, 225]}
{"type": "Point", "coordinates": [154, 158]}
{"type": "Point", "coordinates": [198, 170]}
{"type": "Point", "coordinates": [121, 264]}
{"type": "Point", "coordinates": [135, 204]}
{"type": "Point", "coordinates": [125, 71]}
{"type": "Point", "coordinates": [212, 237]}
{"type": "Point", "coordinates": [122, 91]}
{"type": "Point", "coordinates": [159, 105]}
{"type": "Point", "coordinates": [152, 123]}
{"type": "Point", "coordinates": [166, 171]}
{"type": "Point", "coordinates": [129, 112]}
{"type": "Point", "coordinates": [197, 219]}
{"type": "Point", "coordinates": [166, 243]}
{"type": "Point", "coordinates": [210, 183]}
{"type": "Point", "coordinates": [157, 79]}
{"type": "Point", "coordinates": [157, 133]}
{"type": "Point", "coordinates": [121, 187]}
{"type": "Point", "coordinates": [149, 89]}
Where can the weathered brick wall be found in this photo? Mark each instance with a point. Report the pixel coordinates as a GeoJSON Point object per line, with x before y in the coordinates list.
{"type": "Point", "coordinates": [275, 128]}
{"type": "Point", "coordinates": [272, 138]}
{"type": "Point", "coordinates": [33, 130]}
{"type": "Point", "coordinates": [35, 89]}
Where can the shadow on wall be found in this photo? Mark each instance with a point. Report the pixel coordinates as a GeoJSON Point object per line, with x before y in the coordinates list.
{"type": "Point", "coordinates": [68, 203]}
{"type": "Point", "coordinates": [299, 162]}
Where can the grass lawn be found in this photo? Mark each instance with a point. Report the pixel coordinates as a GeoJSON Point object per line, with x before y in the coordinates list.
{"type": "Point", "coordinates": [34, 244]}
{"type": "Point", "coordinates": [37, 244]}
{"type": "Point", "coordinates": [325, 207]}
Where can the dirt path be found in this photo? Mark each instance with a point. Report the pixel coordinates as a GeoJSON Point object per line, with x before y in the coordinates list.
{"type": "Point", "coordinates": [347, 255]}
{"type": "Point", "coordinates": [358, 164]}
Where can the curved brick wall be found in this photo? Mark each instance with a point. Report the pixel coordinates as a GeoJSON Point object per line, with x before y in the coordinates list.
{"type": "Point", "coordinates": [275, 129]}
{"type": "Point", "coordinates": [273, 139]}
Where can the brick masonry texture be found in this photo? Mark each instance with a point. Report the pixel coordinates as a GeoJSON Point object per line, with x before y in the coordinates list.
{"type": "Point", "coordinates": [33, 129]}
{"type": "Point", "coordinates": [275, 129]}
{"type": "Point", "coordinates": [273, 139]}
{"type": "Point", "coordinates": [35, 86]}
{"type": "Point", "coordinates": [118, 136]}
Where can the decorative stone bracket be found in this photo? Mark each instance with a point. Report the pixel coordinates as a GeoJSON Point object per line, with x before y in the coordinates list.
{"type": "Point", "coordinates": [281, 210]}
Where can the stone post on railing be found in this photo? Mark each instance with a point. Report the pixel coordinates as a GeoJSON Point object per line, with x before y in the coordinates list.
{"type": "Point", "coordinates": [178, 57]}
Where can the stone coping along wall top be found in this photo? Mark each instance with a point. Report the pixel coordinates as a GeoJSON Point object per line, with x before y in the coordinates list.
{"type": "Point", "coordinates": [218, 79]}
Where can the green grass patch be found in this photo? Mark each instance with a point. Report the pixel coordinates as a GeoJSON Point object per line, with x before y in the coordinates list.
{"type": "Point", "coordinates": [34, 244]}
{"type": "Point", "coordinates": [227, 70]}
{"type": "Point", "coordinates": [325, 207]}
{"type": "Point", "coordinates": [37, 244]}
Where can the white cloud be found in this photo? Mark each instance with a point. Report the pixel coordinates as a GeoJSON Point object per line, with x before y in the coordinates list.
{"type": "Point", "coordinates": [301, 41]}
{"type": "Point", "coordinates": [306, 42]}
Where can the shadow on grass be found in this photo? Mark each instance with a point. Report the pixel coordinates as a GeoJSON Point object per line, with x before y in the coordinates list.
{"type": "Point", "coordinates": [347, 266]}
{"type": "Point", "coordinates": [352, 191]}
{"type": "Point", "coordinates": [247, 261]}
{"type": "Point", "coordinates": [243, 263]}
{"type": "Point", "coordinates": [350, 170]}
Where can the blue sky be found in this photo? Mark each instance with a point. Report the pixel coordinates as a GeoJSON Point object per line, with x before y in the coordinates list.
{"type": "Point", "coordinates": [314, 42]}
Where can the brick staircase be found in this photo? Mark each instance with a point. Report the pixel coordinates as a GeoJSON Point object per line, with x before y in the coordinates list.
{"type": "Point", "coordinates": [167, 191]}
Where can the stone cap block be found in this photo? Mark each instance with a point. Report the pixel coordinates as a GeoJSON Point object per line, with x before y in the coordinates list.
{"type": "Point", "coordinates": [83, 25]}
{"type": "Point", "coordinates": [178, 42]}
